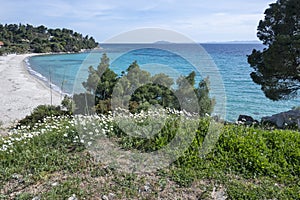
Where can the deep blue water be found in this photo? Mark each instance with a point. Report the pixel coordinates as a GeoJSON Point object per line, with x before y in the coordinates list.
{"type": "Point", "coordinates": [227, 62]}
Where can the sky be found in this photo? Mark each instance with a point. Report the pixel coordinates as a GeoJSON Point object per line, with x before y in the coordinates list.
{"type": "Point", "coordinates": [199, 20]}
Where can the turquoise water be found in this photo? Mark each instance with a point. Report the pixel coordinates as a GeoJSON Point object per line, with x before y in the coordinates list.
{"type": "Point", "coordinates": [227, 62]}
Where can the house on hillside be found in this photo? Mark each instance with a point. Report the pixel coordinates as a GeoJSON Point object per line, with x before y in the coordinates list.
{"type": "Point", "coordinates": [1, 44]}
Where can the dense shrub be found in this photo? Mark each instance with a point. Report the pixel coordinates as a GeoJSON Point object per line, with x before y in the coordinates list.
{"type": "Point", "coordinates": [40, 113]}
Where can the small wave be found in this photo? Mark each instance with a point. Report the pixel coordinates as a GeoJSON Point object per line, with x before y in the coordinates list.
{"type": "Point", "coordinates": [44, 79]}
{"type": "Point", "coordinates": [27, 61]}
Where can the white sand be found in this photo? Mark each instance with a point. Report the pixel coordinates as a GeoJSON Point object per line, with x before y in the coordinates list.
{"type": "Point", "coordinates": [20, 92]}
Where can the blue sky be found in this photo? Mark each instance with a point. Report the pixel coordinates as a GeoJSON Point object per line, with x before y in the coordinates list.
{"type": "Point", "coordinates": [200, 20]}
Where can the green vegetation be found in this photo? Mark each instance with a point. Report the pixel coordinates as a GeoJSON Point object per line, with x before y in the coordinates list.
{"type": "Point", "coordinates": [137, 90]}
{"type": "Point", "coordinates": [52, 155]}
{"type": "Point", "coordinates": [27, 38]}
{"type": "Point", "coordinates": [40, 112]}
{"type": "Point", "coordinates": [52, 161]}
{"type": "Point", "coordinates": [277, 67]}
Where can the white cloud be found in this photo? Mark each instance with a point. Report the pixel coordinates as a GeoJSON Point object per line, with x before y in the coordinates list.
{"type": "Point", "coordinates": [200, 19]}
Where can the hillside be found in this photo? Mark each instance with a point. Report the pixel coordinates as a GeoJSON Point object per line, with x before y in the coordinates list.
{"type": "Point", "coordinates": [57, 158]}
{"type": "Point", "coordinates": [29, 39]}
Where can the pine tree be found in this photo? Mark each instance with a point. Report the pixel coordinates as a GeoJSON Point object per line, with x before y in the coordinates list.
{"type": "Point", "coordinates": [277, 67]}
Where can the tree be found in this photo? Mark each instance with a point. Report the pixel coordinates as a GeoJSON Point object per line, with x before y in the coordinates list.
{"type": "Point", "coordinates": [156, 92]}
{"type": "Point", "coordinates": [26, 38]}
{"type": "Point", "coordinates": [277, 67]}
{"type": "Point", "coordinates": [100, 83]}
{"type": "Point", "coordinates": [191, 96]}
{"type": "Point", "coordinates": [94, 75]}
{"type": "Point", "coordinates": [205, 103]}
{"type": "Point", "coordinates": [137, 90]}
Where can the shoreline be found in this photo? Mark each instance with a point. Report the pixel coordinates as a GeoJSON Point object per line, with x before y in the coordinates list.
{"type": "Point", "coordinates": [40, 78]}
{"type": "Point", "coordinates": [21, 91]}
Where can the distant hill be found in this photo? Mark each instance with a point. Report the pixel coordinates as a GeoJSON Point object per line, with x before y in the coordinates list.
{"type": "Point", "coordinates": [27, 38]}
{"type": "Point", "coordinates": [236, 42]}
{"type": "Point", "coordinates": [162, 42]}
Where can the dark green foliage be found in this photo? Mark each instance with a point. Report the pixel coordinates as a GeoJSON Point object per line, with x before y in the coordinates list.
{"type": "Point", "coordinates": [68, 104]}
{"type": "Point", "coordinates": [100, 78]}
{"type": "Point", "coordinates": [99, 85]}
{"type": "Point", "coordinates": [40, 113]}
{"type": "Point", "coordinates": [83, 103]}
{"type": "Point", "coordinates": [277, 67]}
{"type": "Point", "coordinates": [193, 99]}
{"type": "Point", "coordinates": [26, 38]}
{"type": "Point", "coordinates": [152, 94]}
{"type": "Point", "coordinates": [137, 90]}
{"type": "Point", "coordinates": [205, 103]}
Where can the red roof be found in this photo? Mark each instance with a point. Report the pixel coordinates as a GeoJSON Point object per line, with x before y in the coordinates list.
{"type": "Point", "coordinates": [1, 43]}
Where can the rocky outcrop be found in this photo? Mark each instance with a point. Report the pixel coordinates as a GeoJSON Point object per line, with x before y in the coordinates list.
{"type": "Point", "coordinates": [247, 120]}
{"type": "Point", "coordinates": [283, 120]}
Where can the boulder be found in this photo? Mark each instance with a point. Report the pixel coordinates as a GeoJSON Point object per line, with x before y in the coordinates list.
{"type": "Point", "coordinates": [247, 120]}
{"type": "Point", "coordinates": [285, 119]}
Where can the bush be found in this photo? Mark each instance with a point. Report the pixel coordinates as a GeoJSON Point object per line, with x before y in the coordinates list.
{"type": "Point", "coordinates": [252, 152]}
{"type": "Point", "coordinates": [39, 113]}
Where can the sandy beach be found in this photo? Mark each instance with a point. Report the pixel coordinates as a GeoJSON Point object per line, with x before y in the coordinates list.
{"type": "Point", "coordinates": [20, 92]}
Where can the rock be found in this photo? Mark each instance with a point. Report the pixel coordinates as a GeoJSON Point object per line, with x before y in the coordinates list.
{"type": "Point", "coordinates": [146, 188]}
{"type": "Point", "coordinates": [104, 197]}
{"type": "Point", "coordinates": [247, 120]}
{"type": "Point", "coordinates": [73, 197]}
{"type": "Point", "coordinates": [218, 193]}
{"type": "Point", "coordinates": [284, 119]}
{"type": "Point", "coordinates": [111, 196]}
{"type": "Point", "coordinates": [54, 184]}
{"type": "Point", "coordinates": [18, 177]}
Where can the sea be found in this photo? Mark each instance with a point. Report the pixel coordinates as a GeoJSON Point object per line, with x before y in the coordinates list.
{"type": "Point", "coordinates": [225, 66]}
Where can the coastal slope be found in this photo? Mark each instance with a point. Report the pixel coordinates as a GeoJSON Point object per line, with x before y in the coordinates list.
{"type": "Point", "coordinates": [20, 92]}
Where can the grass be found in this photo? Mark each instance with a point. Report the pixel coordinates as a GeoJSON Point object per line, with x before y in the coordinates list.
{"type": "Point", "coordinates": [53, 160]}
